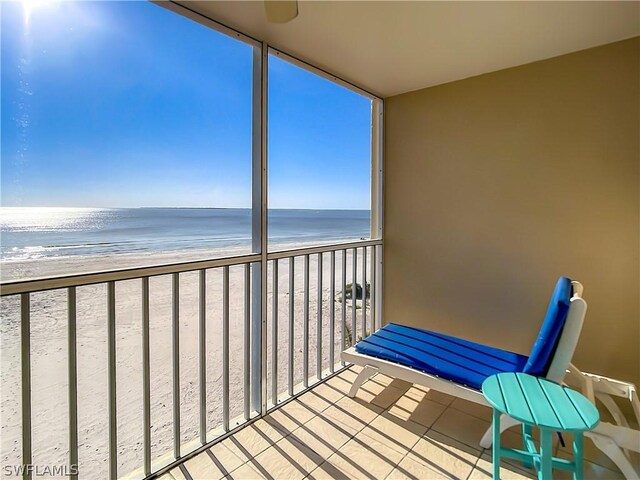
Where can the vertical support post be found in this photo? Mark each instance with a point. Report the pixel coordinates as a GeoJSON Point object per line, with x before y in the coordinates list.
{"type": "Point", "coordinates": [379, 285]}
{"type": "Point", "coordinates": [319, 325]}
{"type": "Point", "coordinates": [259, 229]}
{"type": "Point", "coordinates": [202, 352]}
{"type": "Point", "coordinates": [247, 341]}
{"type": "Point", "coordinates": [225, 348]}
{"type": "Point", "coordinates": [25, 366]}
{"type": "Point", "coordinates": [111, 358]}
{"type": "Point", "coordinates": [274, 335]}
{"type": "Point", "coordinates": [292, 262]}
{"type": "Point", "coordinates": [146, 377]}
{"type": "Point", "coordinates": [376, 168]}
{"type": "Point", "coordinates": [73, 380]}
{"type": "Point", "coordinates": [305, 333]}
{"type": "Point", "coordinates": [377, 217]}
{"type": "Point", "coordinates": [364, 292]}
{"type": "Point", "coordinates": [354, 291]}
{"type": "Point", "coordinates": [332, 314]}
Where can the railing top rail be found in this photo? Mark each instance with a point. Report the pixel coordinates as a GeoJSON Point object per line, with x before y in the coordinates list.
{"type": "Point", "coordinates": [14, 287]}
{"type": "Point", "coordinates": [322, 249]}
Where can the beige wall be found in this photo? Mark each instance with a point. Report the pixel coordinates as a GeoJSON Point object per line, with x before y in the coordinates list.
{"type": "Point", "coordinates": [498, 184]}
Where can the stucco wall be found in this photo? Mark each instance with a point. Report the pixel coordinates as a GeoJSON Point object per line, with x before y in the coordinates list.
{"type": "Point", "coordinates": [496, 185]}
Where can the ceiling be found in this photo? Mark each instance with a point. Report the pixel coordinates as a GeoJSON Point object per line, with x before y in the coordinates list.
{"type": "Point", "coordinates": [392, 47]}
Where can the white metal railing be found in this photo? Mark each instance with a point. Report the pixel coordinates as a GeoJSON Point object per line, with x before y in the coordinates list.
{"type": "Point", "coordinates": [370, 250]}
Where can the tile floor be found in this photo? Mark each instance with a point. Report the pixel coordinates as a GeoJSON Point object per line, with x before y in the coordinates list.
{"type": "Point", "coordinates": [391, 430]}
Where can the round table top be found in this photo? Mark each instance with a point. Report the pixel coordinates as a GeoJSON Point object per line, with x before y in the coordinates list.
{"type": "Point", "coordinates": [540, 402]}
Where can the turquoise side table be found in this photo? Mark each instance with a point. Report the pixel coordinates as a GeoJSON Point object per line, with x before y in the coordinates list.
{"type": "Point", "coordinates": [541, 403]}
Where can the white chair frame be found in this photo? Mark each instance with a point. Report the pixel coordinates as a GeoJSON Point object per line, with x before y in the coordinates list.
{"type": "Point", "coordinates": [614, 440]}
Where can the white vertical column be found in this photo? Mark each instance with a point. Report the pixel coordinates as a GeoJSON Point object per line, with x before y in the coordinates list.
{"type": "Point", "coordinates": [377, 214]}
{"type": "Point", "coordinates": [259, 230]}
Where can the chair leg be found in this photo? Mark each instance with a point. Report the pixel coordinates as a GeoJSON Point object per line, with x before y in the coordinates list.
{"type": "Point", "coordinates": [614, 452]}
{"type": "Point", "coordinates": [506, 422]}
{"type": "Point", "coordinates": [367, 372]}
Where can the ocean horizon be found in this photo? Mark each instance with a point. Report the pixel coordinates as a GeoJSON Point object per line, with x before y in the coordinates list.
{"type": "Point", "coordinates": [32, 233]}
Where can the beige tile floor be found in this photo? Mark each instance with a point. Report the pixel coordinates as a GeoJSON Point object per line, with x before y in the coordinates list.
{"type": "Point", "coordinates": [391, 430]}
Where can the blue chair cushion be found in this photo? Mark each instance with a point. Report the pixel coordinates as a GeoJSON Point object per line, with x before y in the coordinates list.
{"type": "Point", "coordinates": [547, 341]}
{"type": "Point", "coordinates": [448, 357]}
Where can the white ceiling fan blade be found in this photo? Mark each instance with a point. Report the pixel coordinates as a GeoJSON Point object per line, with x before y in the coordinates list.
{"type": "Point", "coordinates": [281, 11]}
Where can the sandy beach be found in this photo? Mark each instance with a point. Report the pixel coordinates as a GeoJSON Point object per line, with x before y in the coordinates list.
{"type": "Point", "coordinates": [49, 355]}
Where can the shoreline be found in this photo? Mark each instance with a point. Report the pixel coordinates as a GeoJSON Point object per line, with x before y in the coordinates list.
{"type": "Point", "coordinates": [24, 270]}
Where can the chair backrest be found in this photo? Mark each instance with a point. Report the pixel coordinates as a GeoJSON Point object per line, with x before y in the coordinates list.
{"type": "Point", "coordinates": [545, 346]}
{"type": "Point", "coordinates": [569, 337]}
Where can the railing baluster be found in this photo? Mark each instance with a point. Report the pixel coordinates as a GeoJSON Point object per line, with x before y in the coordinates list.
{"type": "Point", "coordinates": [354, 291]}
{"type": "Point", "coordinates": [225, 348]}
{"type": "Point", "coordinates": [146, 376]}
{"type": "Point", "coordinates": [25, 365]}
{"type": "Point", "coordinates": [292, 263]}
{"type": "Point", "coordinates": [305, 333]}
{"type": "Point", "coordinates": [372, 300]}
{"type": "Point", "coordinates": [175, 342]}
{"type": "Point", "coordinates": [113, 414]}
{"type": "Point", "coordinates": [369, 323]}
{"type": "Point", "coordinates": [247, 340]}
{"type": "Point", "coordinates": [73, 379]}
{"type": "Point", "coordinates": [202, 352]}
{"type": "Point", "coordinates": [319, 325]}
{"type": "Point", "coordinates": [364, 292]}
{"type": "Point", "coordinates": [344, 300]}
{"type": "Point", "coordinates": [274, 337]}
{"type": "Point", "coordinates": [332, 314]}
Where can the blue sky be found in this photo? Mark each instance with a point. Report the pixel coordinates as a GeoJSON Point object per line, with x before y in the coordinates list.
{"type": "Point", "coordinates": [126, 104]}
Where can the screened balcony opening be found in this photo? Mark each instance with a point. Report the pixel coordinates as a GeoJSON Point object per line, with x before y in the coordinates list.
{"type": "Point", "coordinates": [172, 273]}
{"type": "Point", "coordinates": [211, 224]}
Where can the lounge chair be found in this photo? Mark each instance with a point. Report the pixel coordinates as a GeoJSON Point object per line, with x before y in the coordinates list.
{"type": "Point", "coordinates": [458, 367]}
{"type": "Point", "coordinates": [617, 440]}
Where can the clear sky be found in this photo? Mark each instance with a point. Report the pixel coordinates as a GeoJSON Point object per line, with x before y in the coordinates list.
{"type": "Point", "coordinates": [126, 104]}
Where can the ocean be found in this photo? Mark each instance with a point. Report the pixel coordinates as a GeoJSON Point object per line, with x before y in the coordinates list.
{"type": "Point", "coordinates": [28, 233]}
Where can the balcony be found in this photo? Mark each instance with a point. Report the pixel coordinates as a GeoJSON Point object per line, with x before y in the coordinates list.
{"type": "Point", "coordinates": [495, 182]}
{"type": "Point", "coordinates": [391, 429]}
{"type": "Point", "coordinates": [163, 360]}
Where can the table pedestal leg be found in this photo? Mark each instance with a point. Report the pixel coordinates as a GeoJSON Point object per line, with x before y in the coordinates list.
{"type": "Point", "coordinates": [526, 432]}
{"type": "Point", "coordinates": [496, 445]}
{"type": "Point", "coordinates": [546, 454]}
{"type": "Point", "coordinates": [577, 455]}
